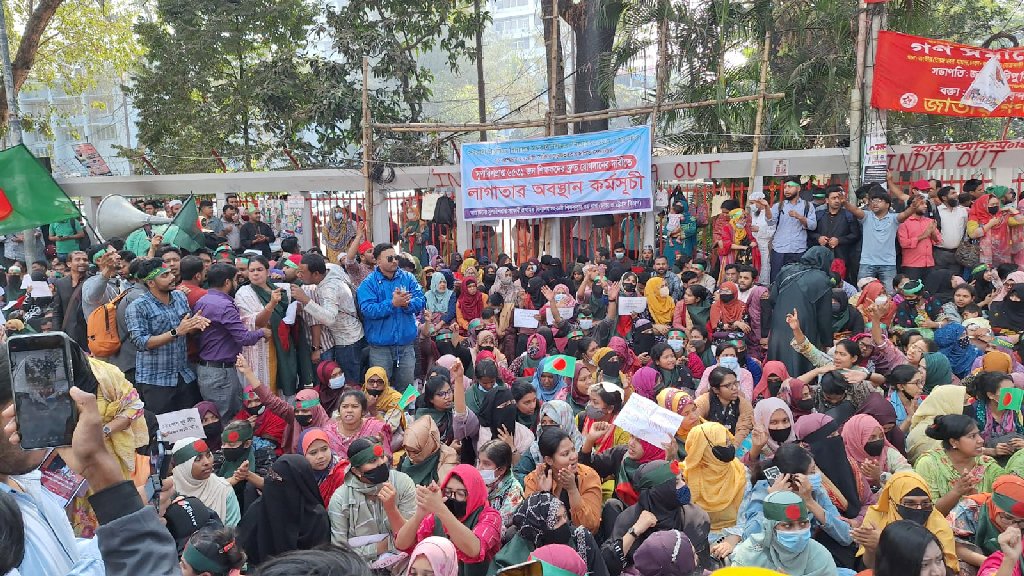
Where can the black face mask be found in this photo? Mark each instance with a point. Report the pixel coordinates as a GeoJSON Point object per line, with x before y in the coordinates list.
{"type": "Point", "coordinates": [726, 298]}
{"type": "Point", "coordinates": [724, 453]}
{"type": "Point", "coordinates": [697, 344]}
{"type": "Point", "coordinates": [558, 535]}
{"type": "Point", "coordinates": [235, 454]}
{"type": "Point", "coordinates": [213, 430]}
{"type": "Point", "coordinates": [373, 392]}
{"type": "Point", "coordinates": [458, 509]}
{"type": "Point", "coordinates": [913, 514]}
{"type": "Point", "coordinates": [774, 386]}
{"type": "Point", "coordinates": [780, 435]}
{"type": "Point", "coordinates": [837, 307]}
{"type": "Point", "coordinates": [993, 210]}
{"type": "Point", "coordinates": [304, 420]}
{"type": "Point", "coordinates": [487, 348]}
{"type": "Point", "coordinates": [628, 288]}
{"type": "Point", "coordinates": [378, 475]}
{"type": "Point", "coordinates": [805, 405]}
{"type": "Point", "coordinates": [874, 448]}
{"type": "Point", "coordinates": [741, 357]}
{"type": "Point", "coordinates": [256, 410]}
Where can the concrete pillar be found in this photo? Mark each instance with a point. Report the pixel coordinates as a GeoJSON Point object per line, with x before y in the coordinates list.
{"type": "Point", "coordinates": [306, 238]}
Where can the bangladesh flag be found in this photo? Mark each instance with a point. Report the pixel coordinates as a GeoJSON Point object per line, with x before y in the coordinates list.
{"type": "Point", "coordinates": [29, 196]}
{"type": "Point", "coordinates": [184, 232]}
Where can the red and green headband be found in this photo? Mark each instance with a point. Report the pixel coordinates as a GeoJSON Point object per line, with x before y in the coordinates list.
{"type": "Point", "coordinates": [367, 455]}
{"type": "Point", "coordinates": [190, 451]}
{"type": "Point", "coordinates": [233, 436]}
{"type": "Point", "coordinates": [307, 404]}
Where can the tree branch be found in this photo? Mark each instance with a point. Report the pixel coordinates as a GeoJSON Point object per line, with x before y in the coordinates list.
{"type": "Point", "coordinates": [28, 49]}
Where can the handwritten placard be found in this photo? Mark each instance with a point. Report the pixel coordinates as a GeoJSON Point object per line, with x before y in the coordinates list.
{"type": "Point", "coordinates": [563, 313]}
{"type": "Point", "coordinates": [181, 424]}
{"type": "Point", "coordinates": [648, 421]}
{"type": "Point", "coordinates": [39, 289]}
{"type": "Point", "coordinates": [632, 305]}
{"type": "Point", "coordinates": [524, 318]}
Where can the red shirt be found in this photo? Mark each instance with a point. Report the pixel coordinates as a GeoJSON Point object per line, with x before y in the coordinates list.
{"type": "Point", "coordinates": [917, 253]}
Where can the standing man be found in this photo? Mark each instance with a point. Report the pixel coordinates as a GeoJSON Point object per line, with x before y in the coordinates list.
{"type": "Point", "coordinates": [66, 235]}
{"type": "Point", "coordinates": [792, 218]}
{"type": "Point", "coordinates": [103, 286]}
{"type": "Point", "coordinates": [173, 207]}
{"type": "Point", "coordinates": [158, 321]}
{"type": "Point", "coordinates": [125, 357]}
{"type": "Point", "coordinates": [205, 214]}
{"type": "Point", "coordinates": [358, 268]}
{"type": "Point", "coordinates": [952, 218]}
{"type": "Point", "coordinates": [222, 342]}
{"type": "Point", "coordinates": [334, 308]}
{"type": "Point", "coordinates": [878, 250]}
{"type": "Point", "coordinates": [170, 256]}
{"type": "Point", "coordinates": [917, 236]}
{"type": "Point", "coordinates": [193, 274]}
{"type": "Point", "coordinates": [67, 299]}
{"type": "Point", "coordinates": [257, 234]}
{"type": "Point", "coordinates": [836, 228]}
{"type": "Point", "coordinates": [230, 226]}
{"type": "Point", "coordinates": [390, 299]}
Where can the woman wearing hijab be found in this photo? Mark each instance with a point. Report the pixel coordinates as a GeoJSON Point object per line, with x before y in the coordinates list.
{"type": "Point", "coordinates": [628, 361]}
{"type": "Point", "coordinates": [666, 553]}
{"type": "Point", "coordinates": [339, 230]}
{"type": "Point", "coordinates": [542, 520]}
{"type": "Point", "coordinates": [869, 449]}
{"type": "Point", "coordinates": [212, 426]}
{"type": "Point", "coordinates": [525, 365]}
{"type": "Point", "coordinates": [680, 402]}
{"type": "Point", "coordinates": [803, 287]}
{"type": "Point", "coordinates": [548, 384]}
{"type": "Point", "coordinates": [440, 302]}
{"type": "Point", "coordinates": [724, 404]}
{"type": "Point", "coordinates": [785, 544]}
{"type": "Point", "coordinates": [606, 401]}
{"type": "Point", "coordinates": [841, 479]}
{"type": "Point", "coordinates": [470, 305]}
{"type": "Point", "coordinates": [717, 479]}
{"type": "Point", "coordinates": [553, 414]}
{"type": "Point", "coordinates": [728, 313]}
{"type": "Point", "coordinates": [458, 509]}
{"type": "Point", "coordinates": [382, 401]}
{"type": "Point", "coordinates": [846, 319]}
{"type": "Point", "coordinates": [331, 384]}
{"type": "Point", "coordinates": [775, 382]}
{"type": "Point", "coordinates": [882, 410]}
{"type": "Point", "coordinates": [868, 295]}
{"type": "Point", "coordinates": [995, 424]}
{"type": "Point", "coordinates": [328, 468]}
{"type": "Point", "coordinates": [498, 419]}
{"type": "Point", "coordinates": [434, 556]}
{"type": "Point", "coordinates": [948, 399]}
{"type": "Point", "coordinates": [957, 348]}
{"type": "Point", "coordinates": [801, 398]}
{"type": "Point", "coordinates": [1009, 314]}
{"type": "Point", "coordinates": [620, 462]}
{"type": "Point", "coordinates": [999, 230]}
{"type": "Point", "coordinates": [445, 403]}
{"type": "Point", "coordinates": [659, 303]}
{"type": "Point", "coordinates": [289, 516]}
{"type": "Point", "coordinates": [979, 520]}
{"type": "Point", "coordinates": [673, 372]}
{"type": "Point", "coordinates": [426, 458]}
{"type": "Point", "coordinates": [610, 367]}
{"type": "Point", "coordinates": [694, 310]}
{"type": "Point", "coordinates": [579, 391]}
{"type": "Point", "coordinates": [193, 476]}
{"type": "Point", "coordinates": [773, 425]}
{"type": "Point", "coordinates": [905, 497]}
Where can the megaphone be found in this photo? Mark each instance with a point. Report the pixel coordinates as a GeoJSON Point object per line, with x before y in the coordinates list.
{"type": "Point", "coordinates": [116, 216]}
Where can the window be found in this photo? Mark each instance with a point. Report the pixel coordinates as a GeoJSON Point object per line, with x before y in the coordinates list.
{"type": "Point", "coordinates": [508, 4]}
{"type": "Point", "coordinates": [518, 26]}
{"type": "Point", "coordinates": [108, 132]}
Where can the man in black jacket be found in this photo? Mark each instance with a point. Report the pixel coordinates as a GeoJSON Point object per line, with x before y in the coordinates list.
{"type": "Point", "coordinates": [67, 299]}
{"type": "Point", "coordinates": [256, 234]}
{"type": "Point", "coordinates": [837, 228]}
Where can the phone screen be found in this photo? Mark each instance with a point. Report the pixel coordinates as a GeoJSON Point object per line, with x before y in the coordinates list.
{"type": "Point", "coordinates": [41, 375]}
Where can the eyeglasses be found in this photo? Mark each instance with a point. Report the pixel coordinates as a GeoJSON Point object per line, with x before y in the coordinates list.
{"type": "Point", "coordinates": [1008, 519]}
{"type": "Point", "coordinates": [456, 494]}
{"type": "Point", "coordinates": [731, 386]}
{"type": "Point", "coordinates": [375, 382]}
{"type": "Point", "coordinates": [446, 393]}
{"type": "Point", "coordinates": [917, 505]}
{"type": "Point", "coordinates": [391, 258]}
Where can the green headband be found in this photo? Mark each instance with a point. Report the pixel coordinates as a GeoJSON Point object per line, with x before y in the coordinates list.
{"type": "Point", "coordinates": [549, 569]}
{"type": "Point", "coordinates": [367, 455]}
{"type": "Point", "coordinates": [242, 260]}
{"type": "Point", "coordinates": [157, 272]}
{"type": "Point", "coordinates": [997, 191]}
{"type": "Point", "coordinates": [793, 183]}
{"type": "Point", "coordinates": [236, 435]}
{"type": "Point", "coordinates": [222, 249]}
{"type": "Point", "coordinates": [307, 404]}
{"type": "Point", "coordinates": [784, 511]}
{"type": "Point", "coordinates": [193, 450]}
{"type": "Point", "coordinates": [201, 562]}
{"type": "Point", "coordinates": [575, 334]}
{"type": "Point", "coordinates": [913, 287]}
{"type": "Point", "coordinates": [287, 262]}
{"type": "Point", "coordinates": [99, 254]}
{"type": "Point", "coordinates": [701, 266]}
{"type": "Point", "coordinates": [656, 477]}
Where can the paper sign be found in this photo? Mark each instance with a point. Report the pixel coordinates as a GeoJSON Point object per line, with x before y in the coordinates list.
{"type": "Point", "coordinates": [990, 88]}
{"type": "Point", "coordinates": [563, 313]}
{"type": "Point", "coordinates": [358, 541]}
{"type": "Point", "coordinates": [428, 206]}
{"type": "Point", "coordinates": [39, 289]}
{"type": "Point", "coordinates": [781, 168]}
{"type": "Point", "coordinates": [410, 394]}
{"type": "Point", "coordinates": [562, 365]}
{"type": "Point", "coordinates": [632, 305]}
{"type": "Point", "coordinates": [1010, 398]}
{"type": "Point", "coordinates": [387, 560]}
{"type": "Point", "coordinates": [524, 318]}
{"type": "Point", "coordinates": [181, 424]}
{"type": "Point", "coordinates": [289, 315]}
{"type": "Point", "coordinates": [648, 421]}
{"type": "Point", "coordinates": [26, 281]}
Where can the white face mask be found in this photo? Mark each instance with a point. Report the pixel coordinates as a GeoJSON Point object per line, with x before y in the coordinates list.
{"type": "Point", "coordinates": [676, 345]}
{"type": "Point", "coordinates": [559, 297]}
{"type": "Point", "coordinates": [339, 215]}
{"type": "Point", "coordinates": [488, 476]}
{"type": "Point", "coordinates": [337, 382]}
{"type": "Point", "coordinates": [586, 323]}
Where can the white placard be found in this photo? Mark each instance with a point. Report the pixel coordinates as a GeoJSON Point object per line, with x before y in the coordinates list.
{"type": "Point", "coordinates": [648, 421]}
{"type": "Point", "coordinates": [289, 316]}
{"type": "Point", "coordinates": [181, 424]}
{"type": "Point", "coordinates": [990, 88]}
{"type": "Point", "coordinates": [428, 206]}
{"type": "Point", "coordinates": [632, 305]}
{"type": "Point", "coordinates": [524, 318]}
{"type": "Point", "coordinates": [39, 289]}
{"type": "Point", "coordinates": [358, 541]}
{"type": "Point", "coordinates": [287, 289]}
{"type": "Point", "coordinates": [26, 281]}
{"type": "Point", "coordinates": [781, 168]}
{"type": "Point", "coordinates": [563, 313]}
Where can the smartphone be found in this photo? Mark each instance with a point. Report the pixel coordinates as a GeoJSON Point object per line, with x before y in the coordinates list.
{"type": "Point", "coordinates": [42, 375]}
{"type": "Point", "coordinates": [771, 473]}
{"type": "Point", "coordinates": [528, 568]}
{"type": "Point", "coordinates": [881, 300]}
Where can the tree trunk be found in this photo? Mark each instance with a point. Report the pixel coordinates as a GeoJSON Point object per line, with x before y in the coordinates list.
{"type": "Point", "coordinates": [593, 23]}
{"type": "Point", "coordinates": [481, 91]}
{"type": "Point", "coordinates": [558, 90]}
{"type": "Point", "coordinates": [27, 50]}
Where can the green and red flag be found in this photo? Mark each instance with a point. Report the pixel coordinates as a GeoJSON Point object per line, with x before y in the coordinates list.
{"type": "Point", "coordinates": [185, 231]}
{"type": "Point", "coordinates": [29, 196]}
{"type": "Point", "coordinates": [562, 365]}
{"type": "Point", "coordinates": [1010, 398]}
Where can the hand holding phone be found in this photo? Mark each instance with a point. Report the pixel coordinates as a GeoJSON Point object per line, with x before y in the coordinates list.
{"type": "Point", "coordinates": [42, 374]}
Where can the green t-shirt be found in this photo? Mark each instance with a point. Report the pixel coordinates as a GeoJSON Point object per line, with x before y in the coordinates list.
{"type": "Point", "coordinates": [66, 228]}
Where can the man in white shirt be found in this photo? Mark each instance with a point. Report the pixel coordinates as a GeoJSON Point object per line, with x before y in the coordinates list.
{"type": "Point", "coordinates": [952, 220]}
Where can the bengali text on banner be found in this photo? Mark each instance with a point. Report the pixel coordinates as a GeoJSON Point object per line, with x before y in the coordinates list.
{"type": "Point", "coordinates": [598, 173]}
{"type": "Point", "coordinates": [915, 74]}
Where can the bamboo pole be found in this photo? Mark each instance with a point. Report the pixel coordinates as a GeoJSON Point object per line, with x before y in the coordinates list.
{"type": "Point", "coordinates": [660, 71]}
{"type": "Point", "coordinates": [635, 111]}
{"type": "Point", "coordinates": [553, 50]}
{"type": "Point", "coordinates": [367, 150]}
{"type": "Point", "coordinates": [759, 117]}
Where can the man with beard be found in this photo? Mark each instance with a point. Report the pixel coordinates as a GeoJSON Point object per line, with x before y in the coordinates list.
{"type": "Point", "coordinates": [67, 301]}
{"type": "Point", "coordinates": [878, 249]}
{"type": "Point", "coordinates": [792, 219]}
{"type": "Point", "coordinates": [837, 229]}
{"type": "Point", "coordinates": [157, 323]}
{"type": "Point", "coordinates": [952, 219]}
{"type": "Point", "coordinates": [222, 341]}
{"type": "Point", "coordinates": [675, 286]}
{"type": "Point", "coordinates": [753, 296]}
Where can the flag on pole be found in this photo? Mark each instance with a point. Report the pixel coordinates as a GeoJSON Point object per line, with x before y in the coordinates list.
{"type": "Point", "coordinates": [29, 196]}
{"type": "Point", "coordinates": [185, 232]}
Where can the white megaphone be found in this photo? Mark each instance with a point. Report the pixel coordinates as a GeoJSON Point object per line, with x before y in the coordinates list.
{"type": "Point", "coordinates": [116, 216]}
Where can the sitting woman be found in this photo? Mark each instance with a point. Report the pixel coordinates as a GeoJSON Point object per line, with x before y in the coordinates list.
{"type": "Point", "coordinates": [328, 468]}
{"type": "Point", "coordinates": [847, 356]}
{"type": "Point", "coordinates": [354, 421]}
{"type": "Point", "coordinates": [717, 479]}
{"type": "Point", "coordinates": [906, 548]}
{"type": "Point", "coordinates": [905, 497]}
{"type": "Point", "coordinates": [606, 400]}
{"type": "Point", "coordinates": [434, 556]}
{"type": "Point", "coordinates": [675, 373]}
{"type": "Point", "coordinates": [426, 458]}
{"type": "Point", "coordinates": [504, 492]}
{"type": "Point", "coordinates": [724, 404]}
{"type": "Point", "coordinates": [527, 406]}
{"type": "Point", "coordinates": [243, 464]}
{"type": "Point", "coordinates": [664, 503]}
{"type": "Point", "coordinates": [212, 551]}
{"type": "Point", "coordinates": [193, 476]}
{"type": "Point", "coordinates": [458, 510]}
{"type": "Point", "coordinates": [498, 420]}
{"type": "Point", "coordinates": [680, 402]}
{"type": "Point", "coordinates": [943, 400]}
{"type": "Point", "coordinates": [996, 426]}
{"type": "Point", "coordinates": [576, 485]}
{"type": "Point", "coordinates": [960, 467]}
{"type": "Point", "coordinates": [554, 414]}
{"type": "Point", "coordinates": [785, 544]}
{"type": "Point", "coordinates": [979, 520]}
{"type": "Point", "coordinates": [382, 403]}
{"type": "Point", "coordinates": [869, 450]}
{"type": "Point", "coordinates": [444, 402]}
{"type": "Point", "coordinates": [620, 463]}
{"type": "Point", "coordinates": [728, 357]}
{"type": "Point", "coordinates": [548, 384]}
{"type": "Point", "coordinates": [579, 391]}
{"type": "Point", "coordinates": [541, 520]}
{"type": "Point", "coordinates": [374, 499]}
{"type": "Point", "coordinates": [773, 425]}
{"type": "Point", "coordinates": [906, 384]}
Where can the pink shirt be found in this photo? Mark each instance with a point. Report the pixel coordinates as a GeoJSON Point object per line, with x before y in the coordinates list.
{"type": "Point", "coordinates": [917, 253]}
{"type": "Point", "coordinates": [487, 530]}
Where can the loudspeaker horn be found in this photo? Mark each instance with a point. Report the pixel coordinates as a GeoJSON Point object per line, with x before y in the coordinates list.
{"type": "Point", "coordinates": [116, 216]}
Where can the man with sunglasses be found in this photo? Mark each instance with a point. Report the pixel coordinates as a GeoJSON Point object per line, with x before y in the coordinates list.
{"type": "Point", "coordinates": [390, 299]}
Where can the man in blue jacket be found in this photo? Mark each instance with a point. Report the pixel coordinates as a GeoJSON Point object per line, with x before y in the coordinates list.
{"type": "Point", "coordinates": [390, 299]}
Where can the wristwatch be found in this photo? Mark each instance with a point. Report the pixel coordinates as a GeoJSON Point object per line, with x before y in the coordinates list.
{"type": "Point", "coordinates": [106, 430]}
{"type": "Point", "coordinates": [174, 332]}
{"type": "Point", "coordinates": [632, 532]}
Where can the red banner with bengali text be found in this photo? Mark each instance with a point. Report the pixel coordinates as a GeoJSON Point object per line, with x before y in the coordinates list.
{"type": "Point", "coordinates": [915, 74]}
